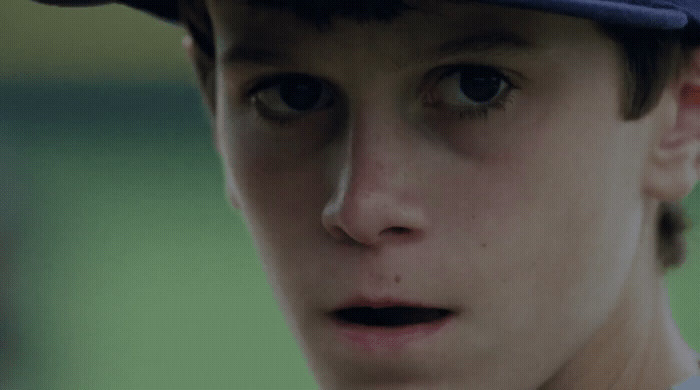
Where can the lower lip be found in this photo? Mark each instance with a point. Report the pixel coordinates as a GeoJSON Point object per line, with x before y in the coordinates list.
{"type": "Point", "coordinates": [377, 338]}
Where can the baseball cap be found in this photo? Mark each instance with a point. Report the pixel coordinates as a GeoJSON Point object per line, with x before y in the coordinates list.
{"type": "Point", "coordinates": [683, 15]}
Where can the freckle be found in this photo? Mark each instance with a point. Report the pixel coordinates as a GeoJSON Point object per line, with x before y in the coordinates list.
{"type": "Point", "coordinates": [397, 279]}
{"type": "Point", "coordinates": [483, 245]}
{"type": "Point", "coordinates": [473, 216]}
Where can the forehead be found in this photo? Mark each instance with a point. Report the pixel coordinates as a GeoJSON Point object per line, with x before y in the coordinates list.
{"type": "Point", "coordinates": [291, 22]}
{"type": "Point", "coordinates": [427, 33]}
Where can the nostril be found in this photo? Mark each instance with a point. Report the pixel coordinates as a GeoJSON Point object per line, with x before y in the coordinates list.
{"type": "Point", "coordinates": [398, 234]}
{"type": "Point", "coordinates": [398, 230]}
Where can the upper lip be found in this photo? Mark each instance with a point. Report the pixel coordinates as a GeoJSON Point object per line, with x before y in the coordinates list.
{"type": "Point", "coordinates": [379, 303]}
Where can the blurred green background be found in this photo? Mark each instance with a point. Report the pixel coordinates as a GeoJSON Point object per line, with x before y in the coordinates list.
{"type": "Point", "coordinates": [131, 271]}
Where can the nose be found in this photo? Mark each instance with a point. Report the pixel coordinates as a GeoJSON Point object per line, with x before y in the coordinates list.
{"type": "Point", "coordinates": [376, 197]}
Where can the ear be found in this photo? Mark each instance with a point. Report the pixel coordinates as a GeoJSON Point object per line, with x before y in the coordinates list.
{"type": "Point", "coordinates": [204, 68]}
{"type": "Point", "coordinates": [674, 164]}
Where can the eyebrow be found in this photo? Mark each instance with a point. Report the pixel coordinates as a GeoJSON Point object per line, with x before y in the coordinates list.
{"type": "Point", "coordinates": [485, 42]}
{"type": "Point", "coordinates": [480, 43]}
{"type": "Point", "coordinates": [252, 55]}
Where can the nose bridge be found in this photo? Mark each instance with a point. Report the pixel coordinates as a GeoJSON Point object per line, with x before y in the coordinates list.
{"type": "Point", "coordinates": [374, 198]}
{"type": "Point", "coordinates": [374, 146]}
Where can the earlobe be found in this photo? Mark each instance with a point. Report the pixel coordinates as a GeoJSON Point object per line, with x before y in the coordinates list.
{"type": "Point", "coordinates": [674, 166]}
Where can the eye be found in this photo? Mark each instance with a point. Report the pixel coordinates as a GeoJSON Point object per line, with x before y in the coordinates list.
{"type": "Point", "coordinates": [470, 87]}
{"type": "Point", "coordinates": [290, 95]}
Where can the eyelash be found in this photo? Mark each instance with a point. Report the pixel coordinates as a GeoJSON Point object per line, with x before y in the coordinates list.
{"type": "Point", "coordinates": [498, 104]}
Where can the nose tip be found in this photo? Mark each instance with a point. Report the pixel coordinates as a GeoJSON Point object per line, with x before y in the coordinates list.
{"type": "Point", "coordinates": [372, 220]}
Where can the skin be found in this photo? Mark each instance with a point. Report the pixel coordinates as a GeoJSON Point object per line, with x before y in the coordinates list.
{"type": "Point", "coordinates": [536, 223]}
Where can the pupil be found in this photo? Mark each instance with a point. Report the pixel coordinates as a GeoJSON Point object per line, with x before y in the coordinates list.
{"type": "Point", "coordinates": [301, 93]}
{"type": "Point", "coordinates": [481, 84]}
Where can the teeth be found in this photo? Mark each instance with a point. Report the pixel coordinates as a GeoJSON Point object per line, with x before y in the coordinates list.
{"type": "Point", "coordinates": [390, 316]}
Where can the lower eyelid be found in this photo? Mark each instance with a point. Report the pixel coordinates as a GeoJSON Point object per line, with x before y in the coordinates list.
{"type": "Point", "coordinates": [442, 112]}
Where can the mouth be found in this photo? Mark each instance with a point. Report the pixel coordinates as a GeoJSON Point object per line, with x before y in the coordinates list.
{"type": "Point", "coordinates": [390, 317]}
{"type": "Point", "coordinates": [387, 324]}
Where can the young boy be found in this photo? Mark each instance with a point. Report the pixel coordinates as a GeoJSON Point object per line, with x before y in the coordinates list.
{"type": "Point", "coordinates": [461, 194]}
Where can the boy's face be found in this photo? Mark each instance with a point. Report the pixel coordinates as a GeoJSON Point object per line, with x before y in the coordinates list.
{"type": "Point", "coordinates": [424, 162]}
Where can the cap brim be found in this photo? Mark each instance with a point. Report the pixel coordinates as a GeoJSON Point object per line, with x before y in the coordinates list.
{"type": "Point", "coordinates": [163, 9]}
{"type": "Point", "coordinates": [605, 11]}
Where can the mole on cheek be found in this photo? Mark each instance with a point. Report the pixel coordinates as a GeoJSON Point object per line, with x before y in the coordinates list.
{"type": "Point", "coordinates": [397, 279]}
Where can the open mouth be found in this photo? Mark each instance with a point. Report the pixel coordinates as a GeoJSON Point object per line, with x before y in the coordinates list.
{"type": "Point", "coordinates": [393, 316]}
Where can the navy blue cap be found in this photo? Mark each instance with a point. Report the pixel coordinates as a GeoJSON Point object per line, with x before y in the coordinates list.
{"type": "Point", "coordinates": [655, 14]}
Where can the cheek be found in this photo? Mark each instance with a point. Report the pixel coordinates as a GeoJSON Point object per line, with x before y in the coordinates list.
{"type": "Point", "coordinates": [551, 198]}
{"type": "Point", "coordinates": [277, 181]}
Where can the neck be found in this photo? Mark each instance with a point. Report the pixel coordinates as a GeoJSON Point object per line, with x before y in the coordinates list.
{"type": "Point", "coordinates": [639, 346]}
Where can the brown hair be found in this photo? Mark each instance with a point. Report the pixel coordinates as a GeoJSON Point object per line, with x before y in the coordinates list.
{"type": "Point", "coordinates": [651, 58]}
